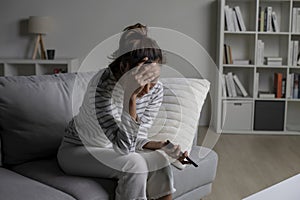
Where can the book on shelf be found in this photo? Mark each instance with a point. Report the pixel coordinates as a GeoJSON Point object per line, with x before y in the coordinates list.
{"type": "Point", "coordinates": [283, 87]}
{"type": "Point", "coordinates": [297, 29]}
{"type": "Point", "coordinates": [241, 62]}
{"type": "Point", "coordinates": [278, 84]}
{"type": "Point", "coordinates": [268, 18]}
{"type": "Point", "coordinates": [294, 20]}
{"type": "Point", "coordinates": [225, 61]}
{"type": "Point", "coordinates": [274, 58]}
{"type": "Point", "coordinates": [240, 86]}
{"type": "Point", "coordinates": [296, 86]}
{"type": "Point", "coordinates": [232, 86]}
{"type": "Point", "coordinates": [227, 55]}
{"type": "Point", "coordinates": [224, 86]}
{"type": "Point", "coordinates": [228, 19]}
{"type": "Point", "coordinates": [290, 91]}
{"type": "Point", "coordinates": [260, 52]}
{"type": "Point", "coordinates": [240, 18]}
{"type": "Point", "coordinates": [298, 61]}
{"type": "Point", "coordinates": [263, 94]}
{"type": "Point", "coordinates": [275, 24]}
{"type": "Point", "coordinates": [256, 84]}
{"type": "Point", "coordinates": [228, 86]}
{"type": "Point", "coordinates": [261, 20]}
{"type": "Point", "coordinates": [295, 52]}
{"type": "Point", "coordinates": [235, 20]}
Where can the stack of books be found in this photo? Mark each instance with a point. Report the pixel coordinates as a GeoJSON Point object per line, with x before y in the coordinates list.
{"type": "Point", "coordinates": [265, 94]}
{"type": "Point", "coordinates": [232, 86]}
{"type": "Point", "coordinates": [275, 61]}
{"type": "Point", "coordinates": [234, 19]}
{"type": "Point", "coordinates": [267, 20]}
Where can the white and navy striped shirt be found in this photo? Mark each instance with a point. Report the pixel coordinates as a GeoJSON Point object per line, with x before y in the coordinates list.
{"type": "Point", "coordinates": [101, 121]}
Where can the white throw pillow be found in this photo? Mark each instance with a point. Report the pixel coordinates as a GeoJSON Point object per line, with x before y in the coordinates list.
{"type": "Point", "coordinates": [179, 113]}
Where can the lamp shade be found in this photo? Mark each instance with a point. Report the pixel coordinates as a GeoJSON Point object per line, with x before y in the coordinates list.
{"type": "Point", "coordinates": [39, 24]}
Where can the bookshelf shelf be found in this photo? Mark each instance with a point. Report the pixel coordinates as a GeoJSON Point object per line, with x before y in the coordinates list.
{"type": "Point", "coordinates": [272, 66]}
{"type": "Point", "coordinates": [239, 66]}
{"type": "Point", "coordinates": [293, 100]}
{"type": "Point", "coordinates": [241, 32]}
{"type": "Point", "coordinates": [238, 98]}
{"type": "Point", "coordinates": [270, 99]}
{"type": "Point", "coordinates": [271, 77]}
{"type": "Point", "coordinates": [273, 33]}
{"type": "Point", "coordinates": [27, 67]}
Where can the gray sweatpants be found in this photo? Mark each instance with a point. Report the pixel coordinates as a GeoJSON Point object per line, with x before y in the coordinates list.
{"type": "Point", "coordinates": [140, 175]}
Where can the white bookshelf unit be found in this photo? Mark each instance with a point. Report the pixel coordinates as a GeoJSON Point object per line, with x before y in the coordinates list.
{"type": "Point", "coordinates": [27, 67]}
{"type": "Point", "coordinates": [254, 114]}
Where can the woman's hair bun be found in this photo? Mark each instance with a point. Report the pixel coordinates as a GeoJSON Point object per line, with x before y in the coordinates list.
{"type": "Point", "coordinates": [134, 45]}
{"type": "Point", "coordinates": [133, 37]}
{"type": "Point", "coordinates": [132, 34]}
{"type": "Point", "coordinates": [137, 29]}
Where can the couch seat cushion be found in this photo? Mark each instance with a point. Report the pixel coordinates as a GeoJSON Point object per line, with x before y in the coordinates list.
{"type": "Point", "coordinates": [14, 186]}
{"type": "Point", "coordinates": [193, 177]}
{"type": "Point", "coordinates": [48, 172]}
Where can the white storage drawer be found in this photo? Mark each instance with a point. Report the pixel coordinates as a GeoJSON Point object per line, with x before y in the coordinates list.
{"type": "Point", "coordinates": [237, 115]}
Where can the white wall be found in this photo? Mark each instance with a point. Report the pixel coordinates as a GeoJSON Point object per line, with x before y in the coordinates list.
{"type": "Point", "coordinates": [82, 24]}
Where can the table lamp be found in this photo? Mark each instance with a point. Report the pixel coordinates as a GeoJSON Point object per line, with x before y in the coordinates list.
{"type": "Point", "coordinates": [39, 25]}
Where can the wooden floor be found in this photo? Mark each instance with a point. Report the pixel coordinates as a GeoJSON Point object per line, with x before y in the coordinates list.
{"type": "Point", "coordinates": [250, 163]}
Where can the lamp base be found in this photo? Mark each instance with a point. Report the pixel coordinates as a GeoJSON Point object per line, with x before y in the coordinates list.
{"type": "Point", "coordinates": [39, 41]}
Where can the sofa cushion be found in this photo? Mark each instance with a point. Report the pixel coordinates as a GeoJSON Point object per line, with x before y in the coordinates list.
{"type": "Point", "coordinates": [34, 111]}
{"type": "Point", "coordinates": [178, 116]}
{"type": "Point", "coordinates": [47, 171]}
{"type": "Point", "coordinates": [14, 186]}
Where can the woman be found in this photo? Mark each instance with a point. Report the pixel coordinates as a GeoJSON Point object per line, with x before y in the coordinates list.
{"type": "Point", "coordinates": [120, 154]}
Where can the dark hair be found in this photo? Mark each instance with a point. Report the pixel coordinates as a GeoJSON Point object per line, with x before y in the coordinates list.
{"type": "Point", "coordinates": [135, 45]}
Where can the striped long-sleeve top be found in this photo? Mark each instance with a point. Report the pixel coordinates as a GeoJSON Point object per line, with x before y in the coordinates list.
{"type": "Point", "coordinates": [101, 121]}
